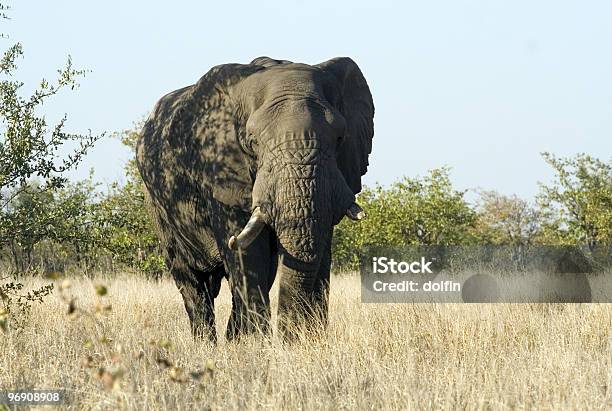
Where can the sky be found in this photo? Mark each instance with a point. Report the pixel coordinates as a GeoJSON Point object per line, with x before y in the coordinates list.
{"type": "Point", "coordinates": [480, 86]}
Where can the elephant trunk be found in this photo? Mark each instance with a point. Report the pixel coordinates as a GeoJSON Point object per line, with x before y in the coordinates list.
{"type": "Point", "coordinates": [309, 199]}
{"type": "Point", "coordinates": [303, 224]}
{"type": "Point", "coordinates": [303, 211]}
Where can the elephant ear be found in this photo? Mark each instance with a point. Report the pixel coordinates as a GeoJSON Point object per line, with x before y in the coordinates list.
{"type": "Point", "coordinates": [357, 107]}
{"type": "Point", "coordinates": [217, 126]}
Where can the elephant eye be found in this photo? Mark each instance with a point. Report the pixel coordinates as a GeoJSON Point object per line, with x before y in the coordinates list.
{"type": "Point", "coordinates": [246, 140]}
{"type": "Point", "coordinates": [252, 144]}
{"type": "Point", "coordinates": [340, 139]}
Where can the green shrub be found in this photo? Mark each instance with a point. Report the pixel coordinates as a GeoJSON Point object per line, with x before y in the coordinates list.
{"type": "Point", "coordinates": [412, 211]}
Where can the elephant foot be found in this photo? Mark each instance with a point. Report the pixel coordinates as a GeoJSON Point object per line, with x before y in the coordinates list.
{"type": "Point", "coordinates": [308, 322]}
{"type": "Point", "coordinates": [204, 332]}
{"type": "Point", "coordinates": [243, 321]}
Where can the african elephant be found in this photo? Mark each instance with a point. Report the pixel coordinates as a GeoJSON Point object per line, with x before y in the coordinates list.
{"type": "Point", "coordinates": [246, 173]}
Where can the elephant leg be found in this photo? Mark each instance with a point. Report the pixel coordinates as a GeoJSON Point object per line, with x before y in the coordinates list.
{"type": "Point", "coordinates": [250, 274]}
{"type": "Point", "coordinates": [199, 290]}
{"type": "Point", "coordinates": [250, 309]}
{"type": "Point", "coordinates": [250, 282]}
{"type": "Point", "coordinates": [320, 292]}
{"type": "Point", "coordinates": [303, 298]}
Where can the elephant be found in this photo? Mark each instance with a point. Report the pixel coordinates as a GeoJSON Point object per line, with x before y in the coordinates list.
{"type": "Point", "coordinates": [246, 172]}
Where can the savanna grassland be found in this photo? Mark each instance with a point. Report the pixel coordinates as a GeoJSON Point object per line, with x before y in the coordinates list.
{"type": "Point", "coordinates": [132, 349]}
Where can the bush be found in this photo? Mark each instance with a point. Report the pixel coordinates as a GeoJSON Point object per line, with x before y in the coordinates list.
{"type": "Point", "coordinates": [417, 211]}
{"type": "Point", "coordinates": [578, 204]}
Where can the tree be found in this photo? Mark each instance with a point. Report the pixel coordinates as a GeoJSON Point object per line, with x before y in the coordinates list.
{"type": "Point", "coordinates": [30, 147]}
{"type": "Point", "coordinates": [79, 228]}
{"type": "Point", "coordinates": [129, 232]}
{"type": "Point", "coordinates": [413, 211]}
{"type": "Point", "coordinates": [21, 217]}
{"type": "Point", "coordinates": [65, 217]}
{"type": "Point", "coordinates": [577, 205]}
{"type": "Point", "coordinates": [506, 220]}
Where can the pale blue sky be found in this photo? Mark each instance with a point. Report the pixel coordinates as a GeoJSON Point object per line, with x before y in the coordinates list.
{"type": "Point", "coordinates": [482, 86]}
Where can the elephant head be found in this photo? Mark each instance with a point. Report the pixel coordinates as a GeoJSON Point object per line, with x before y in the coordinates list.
{"type": "Point", "coordinates": [287, 143]}
{"type": "Point", "coordinates": [308, 132]}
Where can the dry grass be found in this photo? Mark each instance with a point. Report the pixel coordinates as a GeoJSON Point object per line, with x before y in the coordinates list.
{"type": "Point", "coordinates": [373, 356]}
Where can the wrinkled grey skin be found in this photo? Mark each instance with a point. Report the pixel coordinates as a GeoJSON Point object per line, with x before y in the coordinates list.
{"type": "Point", "coordinates": [292, 139]}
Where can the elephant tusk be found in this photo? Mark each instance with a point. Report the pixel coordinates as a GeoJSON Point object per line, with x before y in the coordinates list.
{"type": "Point", "coordinates": [355, 212]}
{"type": "Point", "coordinates": [250, 231]}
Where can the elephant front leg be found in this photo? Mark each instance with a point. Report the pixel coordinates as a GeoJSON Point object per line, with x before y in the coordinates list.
{"type": "Point", "coordinates": [250, 278]}
{"type": "Point", "coordinates": [303, 298]}
{"type": "Point", "coordinates": [320, 294]}
{"type": "Point", "coordinates": [199, 289]}
{"type": "Point", "coordinates": [250, 306]}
